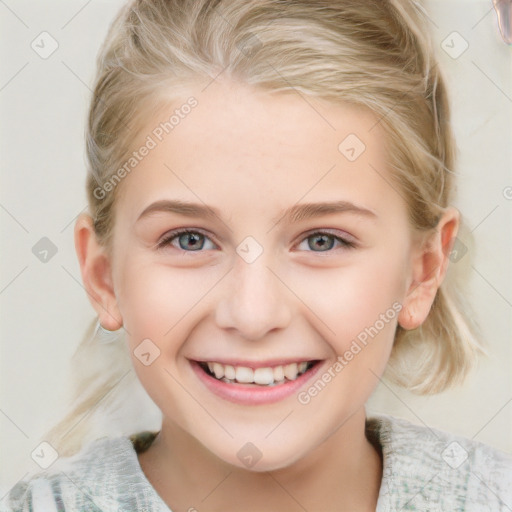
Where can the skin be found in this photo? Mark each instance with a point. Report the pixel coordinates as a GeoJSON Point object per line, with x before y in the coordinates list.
{"type": "Point", "coordinates": [252, 155]}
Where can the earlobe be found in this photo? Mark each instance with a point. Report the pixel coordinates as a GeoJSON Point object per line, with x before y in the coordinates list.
{"type": "Point", "coordinates": [407, 319]}
{"type": "Point", "coordinates": [95, 269]}
{"type": "Point", "coordinates": [429, 266]}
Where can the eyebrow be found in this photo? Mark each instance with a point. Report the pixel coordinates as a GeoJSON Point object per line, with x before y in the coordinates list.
{"type": "Point", "coordinates": [296, 213]}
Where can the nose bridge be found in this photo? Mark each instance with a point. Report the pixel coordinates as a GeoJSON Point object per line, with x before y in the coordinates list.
{"type": "Point", "coordinates": [254, 301]}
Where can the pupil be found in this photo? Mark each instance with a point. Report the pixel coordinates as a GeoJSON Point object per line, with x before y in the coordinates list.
{"type": "Point", "coordinates": [322, 241]}
{"type": "Point", "coordinates": [193, 238]}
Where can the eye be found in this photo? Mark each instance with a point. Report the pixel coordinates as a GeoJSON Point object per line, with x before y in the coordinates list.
{"type": "Point", "coordinates": [326, 241]}
{"type": "Point", "coordinates": [194, 241]}
{"type": "Point", "coordinates": [187, 239]}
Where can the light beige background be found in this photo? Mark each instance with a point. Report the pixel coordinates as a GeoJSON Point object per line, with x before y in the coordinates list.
{"type": "Point", "coordinates": [44, 309]}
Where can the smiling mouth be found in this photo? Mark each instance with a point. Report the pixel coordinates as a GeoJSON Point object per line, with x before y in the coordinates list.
{"type": "Point", "coordinates": [266, 376]}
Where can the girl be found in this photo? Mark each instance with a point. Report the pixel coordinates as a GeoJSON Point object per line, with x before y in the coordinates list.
{"type": "Point", "coordinates": [269, 230]}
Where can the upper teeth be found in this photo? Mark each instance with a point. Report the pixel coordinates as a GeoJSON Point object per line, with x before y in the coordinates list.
{"type": "Point", "coordinates": [263, 376]}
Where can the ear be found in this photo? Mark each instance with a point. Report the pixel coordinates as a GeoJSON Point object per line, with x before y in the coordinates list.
{"type": "Point", "coordinates": [95, 268]}
{"type": "Point", "coordinates": [429, 266]}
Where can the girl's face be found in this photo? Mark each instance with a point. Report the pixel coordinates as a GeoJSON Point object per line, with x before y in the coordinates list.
{"type": "Point", "coordinates": [263, 286]}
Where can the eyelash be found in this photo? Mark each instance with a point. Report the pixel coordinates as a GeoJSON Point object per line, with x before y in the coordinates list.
{"type": "Point", "coordinates": [345, 244]}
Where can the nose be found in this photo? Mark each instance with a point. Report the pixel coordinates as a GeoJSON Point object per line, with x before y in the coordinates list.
{"type": "Point", "coordinates": [254, 300]}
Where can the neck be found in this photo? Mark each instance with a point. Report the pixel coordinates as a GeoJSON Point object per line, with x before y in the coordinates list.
{"type": "Point", "coordinates": [343, 473]}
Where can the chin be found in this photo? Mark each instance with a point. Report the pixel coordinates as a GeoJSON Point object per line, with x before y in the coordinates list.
{"type": "Point", "coordinates": [249, 457]}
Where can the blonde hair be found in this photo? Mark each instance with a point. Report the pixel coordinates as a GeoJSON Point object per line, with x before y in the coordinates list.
{"type": "Point", "coordinates": [376, 54]}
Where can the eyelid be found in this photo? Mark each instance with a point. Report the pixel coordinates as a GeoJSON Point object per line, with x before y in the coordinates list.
{"type": "Point", "coordinates": [165, 239]}
{"type": "Point", "coordinates": [333, 232]}
{"type": "Point", "coordinates": [346, 240]}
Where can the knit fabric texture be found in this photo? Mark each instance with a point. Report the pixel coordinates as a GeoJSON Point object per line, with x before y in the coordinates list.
{"type": "Point", "coordinates": [424, 470]}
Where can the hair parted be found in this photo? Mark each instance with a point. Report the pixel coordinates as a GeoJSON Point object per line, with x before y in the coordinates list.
{"type": "Point", "coordinates": [376, 54]}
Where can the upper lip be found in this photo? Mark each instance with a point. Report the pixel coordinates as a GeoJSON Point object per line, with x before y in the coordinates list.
{"type": "Point", "coordinates": [257, 364]}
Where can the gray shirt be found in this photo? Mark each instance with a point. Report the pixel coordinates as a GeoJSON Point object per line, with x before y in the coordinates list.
{"type": "Point", "coordinates": [424, 470]}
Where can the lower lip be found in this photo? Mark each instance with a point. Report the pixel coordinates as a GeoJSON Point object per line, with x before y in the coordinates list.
{"type": "Point", "coordinates": [253, 394]}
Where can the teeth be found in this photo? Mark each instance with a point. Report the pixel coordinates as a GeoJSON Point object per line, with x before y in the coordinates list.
{"type": "Point", "coordinates": [218, 369]}
{"type": "Point", "coordinates": [229, 372]}
{"type": "Point", "coordinates": [263, 376]}
{"type": "Point", "coordinates": [278, 374]}
{"type": "Point", "coordinates": [244, 375]}
{"type": "Point", "coordinates": [290, 371]}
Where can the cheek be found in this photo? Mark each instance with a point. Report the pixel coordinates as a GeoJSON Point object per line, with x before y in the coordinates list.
{"type": "Point", "coordinates": [155, 300]}
{"type": "Point", "coordinates": [356, 312]}
{"type": "Point", "coordinates": [345, 301]}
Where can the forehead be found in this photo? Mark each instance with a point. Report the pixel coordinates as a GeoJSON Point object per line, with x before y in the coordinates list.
{"type": "Point", "coordinates": [244, 147]}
